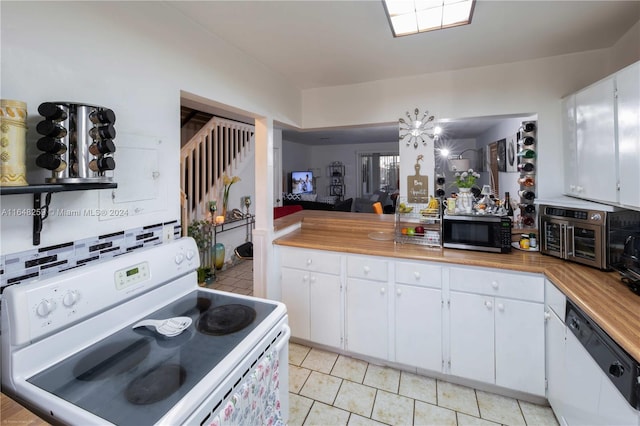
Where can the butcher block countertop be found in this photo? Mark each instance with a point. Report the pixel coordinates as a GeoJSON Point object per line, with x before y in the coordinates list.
{"type": "Point", "coordinates": [15, 414]}
{"type": "Point", "coordinates": [602, 295]}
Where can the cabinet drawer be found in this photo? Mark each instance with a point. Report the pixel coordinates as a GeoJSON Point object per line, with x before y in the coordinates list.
{"type": "Point", "coordinates": [367, 268]}
{"type": "Point", "coordinates": [311, 260]}
{"type": "Point", "coordinates": [419, 274]}
{"type": "Point", "coordinates": [556, 300]}
{"type": "Point", "coordinates": [497, 283]}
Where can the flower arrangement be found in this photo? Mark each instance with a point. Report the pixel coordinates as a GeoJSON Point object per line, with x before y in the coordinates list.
{"type": "Point", "coordinates": [466, 179]}
{"type": "Point", "coordinates": [227, 181]}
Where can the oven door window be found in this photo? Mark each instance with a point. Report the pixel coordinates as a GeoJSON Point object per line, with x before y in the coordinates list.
{"type": "Point", "coordinates": [584, 243]}
{"type": "Point", "coordinates": [552, 243]}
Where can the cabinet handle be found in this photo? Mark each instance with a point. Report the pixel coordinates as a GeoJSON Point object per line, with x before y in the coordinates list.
{"type": "Point", "coordinates": [494, 284]}
{"type": "Point", "coordinates": [417, 275]}
{"type": "Point", "coordinates": [500, 307]}
{"type": "Point", "coordinates": [547, 315]}
{"type": "Point", "coordinates": [399, 292]}
{"type": "Point", "coordinates": [308, 262]}
{"type": "Point", "coordinates": [488, 304]}
{"type": "Point", "coordinates": [313, 279]}
{"type": "Point", "coordinates": [366, 269]}
{"type": "Point", "coordinates": [305, 278]}
{"type": "Point", "coordinates": [382, 290]}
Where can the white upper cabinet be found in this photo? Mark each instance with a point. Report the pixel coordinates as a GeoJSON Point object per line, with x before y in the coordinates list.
{"type": "Point", "coordinates": [601, 135]}
{"type": "Point", "coordinates": [596, 142]}
{"type": "Point", "coordinates": [570, 146]}
{"type": "Point", "coordinates": [628, 87]}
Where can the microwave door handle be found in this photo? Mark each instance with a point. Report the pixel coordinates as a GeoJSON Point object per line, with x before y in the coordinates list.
{"type": "Point", "coordinates": [563, 241]}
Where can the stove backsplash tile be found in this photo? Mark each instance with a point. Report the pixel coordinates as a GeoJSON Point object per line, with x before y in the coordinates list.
{"type": "Point", "coordinates": [30, 265]}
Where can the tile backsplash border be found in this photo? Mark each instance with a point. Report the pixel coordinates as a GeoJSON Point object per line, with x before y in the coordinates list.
{"type": "Point", "coordinates": [44, 262]}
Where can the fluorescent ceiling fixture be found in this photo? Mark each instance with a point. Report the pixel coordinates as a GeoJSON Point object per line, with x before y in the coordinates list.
{"type": "Point", "coordinates": [417, 16]}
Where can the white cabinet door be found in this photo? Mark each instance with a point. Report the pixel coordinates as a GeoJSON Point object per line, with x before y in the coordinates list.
{"type": "Point", "coordinates": [472, 336]}
{"type": "Point", "coordinates": [367, 317]}
{"type": "Point", "coordinates": [570, 145]}
{"type": "Point", "coordinates": [628, 90]}
{"type": "Point", "coordinates": [418, 327]}
{"type": "Point", "coordinates": [596, 141]}
{"type": "Point", "coordinates": [519, 345]}
{"type": "Point", "coordinates": [325, 320]}
{"type": "Point", "coordinates": [314, 306]}
{"type": "Point", "coordinates": [555, 347]}
{"type": "Point", "coordinates": [295, 294]}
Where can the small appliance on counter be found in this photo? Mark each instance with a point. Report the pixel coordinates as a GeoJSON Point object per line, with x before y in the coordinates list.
{"type": "Point", "coordinates": [590, 236]}
{"type": "Point", "coordinates": [77, 142]}
{"type": "Point", "coordinates": [489, 233]}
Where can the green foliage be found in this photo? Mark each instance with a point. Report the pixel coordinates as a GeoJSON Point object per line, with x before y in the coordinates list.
{"type": "Point", "coordinates": [201, 232]}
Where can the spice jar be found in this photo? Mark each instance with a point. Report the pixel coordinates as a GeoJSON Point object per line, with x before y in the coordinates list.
{"type": "Point", "coordinates": [533, 242]}
{"type": "Point", "coordinates": [524, 242]}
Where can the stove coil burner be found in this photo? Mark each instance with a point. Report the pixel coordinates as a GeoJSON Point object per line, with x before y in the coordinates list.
{"type": "Point", "coordinates": [111, 360]}
{"type": "Point", "coordinates": [155, 384]}
{"type": "Point", "coordinates": [226, 319]}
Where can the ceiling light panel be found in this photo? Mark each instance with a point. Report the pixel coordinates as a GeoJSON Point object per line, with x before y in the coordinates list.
{"type": "Point", "coordinates": [413, 16]}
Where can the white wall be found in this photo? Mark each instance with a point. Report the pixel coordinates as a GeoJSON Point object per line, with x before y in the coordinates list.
{"type": "Point", "coordinates": [134, 57]}
{"type": "Point", "coordinates": [518, 88]}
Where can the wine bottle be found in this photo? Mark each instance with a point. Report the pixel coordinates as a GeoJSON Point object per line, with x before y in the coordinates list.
{"type": "Point", "coordinates": [507, 205]}
{"type": "Point", "coordinates": [52, 112]}
{"type": "Point", "coordinates": [102, 116]}
{"type": "Point", "coordinates": [51, 129]}
{"type": "Point", "coordinates": [526, 167]}
{"type": "Point", "coordinates": [527, 195]}
{"type": "Point", "coordinates": [528, 126]}
{"type": "Point", "coordinates": [105, 146]}
{"type": "Point", "coordinates": [439, 192]}
{"type": "Point", "coordinates": [530, 208]}
{"type": "Point", "coordinates": [527, 153]}
{"type": "Point", "coordinates": [528, 141]}
{"type": "Point", "coordinates": [527, 181]}
{"type": "Point", "coordinates": [103, 132]}
{"type": "Point", "coordinates": [528, 221]}
{"type": "Point", "coordinates": [51, 145]}
{"type": "Point", "coordinates": [51, 162]}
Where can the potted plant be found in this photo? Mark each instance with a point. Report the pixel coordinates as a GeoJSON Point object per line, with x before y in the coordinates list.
{"type": "Point", "coordinates": [200, 231]}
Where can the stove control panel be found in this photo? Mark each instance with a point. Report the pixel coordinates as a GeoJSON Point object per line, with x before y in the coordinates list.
{"type": "Point", "coordinates": [40, 308]}
{"type": "Point", "coordinates": [132, 275]}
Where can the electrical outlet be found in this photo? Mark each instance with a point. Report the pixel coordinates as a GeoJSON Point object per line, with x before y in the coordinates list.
{"type": "Point", "coordinates": [167, 232]}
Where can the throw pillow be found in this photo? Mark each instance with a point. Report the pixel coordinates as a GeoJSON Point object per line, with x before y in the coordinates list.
{"type": "Point", "coordinates": [308, 197]}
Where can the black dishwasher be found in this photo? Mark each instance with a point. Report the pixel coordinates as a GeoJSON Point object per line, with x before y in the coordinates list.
{"type": "Point", "coordinates": [620, 367]}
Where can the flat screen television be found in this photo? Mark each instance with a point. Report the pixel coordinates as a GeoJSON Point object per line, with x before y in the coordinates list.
{"type": "Point", "coordinates": [302, 182]}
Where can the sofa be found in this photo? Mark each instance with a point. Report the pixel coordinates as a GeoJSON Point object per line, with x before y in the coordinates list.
{"type": "Point", "coordinates": [339, 206]}
{"type": "Point", "coordinates": [365, 204]}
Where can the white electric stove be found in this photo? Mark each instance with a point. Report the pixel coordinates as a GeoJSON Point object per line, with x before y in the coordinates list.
{"type": "Point", "coordinates": [70, 353]}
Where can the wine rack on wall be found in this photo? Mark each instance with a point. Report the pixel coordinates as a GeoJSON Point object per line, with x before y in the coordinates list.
{"type": "Point", "coordinates": [527, 143]}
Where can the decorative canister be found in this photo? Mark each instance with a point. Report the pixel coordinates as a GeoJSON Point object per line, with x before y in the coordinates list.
{"type": "Point", "coordinates": [13, 133]}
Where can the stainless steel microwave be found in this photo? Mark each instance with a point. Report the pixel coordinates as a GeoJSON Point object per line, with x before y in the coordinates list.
{"type": "Point", "coordinates": [480, 233]}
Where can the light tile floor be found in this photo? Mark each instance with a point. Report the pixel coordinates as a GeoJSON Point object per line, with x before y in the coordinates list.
{"type": "Point", "coordinates": [330, 389]}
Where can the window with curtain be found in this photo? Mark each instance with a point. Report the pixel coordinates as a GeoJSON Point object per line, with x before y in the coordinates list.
{"type": "Point", "coordinates": [378, 171]}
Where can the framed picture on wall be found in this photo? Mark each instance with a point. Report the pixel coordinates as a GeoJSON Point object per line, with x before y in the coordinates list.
{"type": "Point", "coordinates": [502, 155]}
{"type": "Point", "coordinates": [512, 150]}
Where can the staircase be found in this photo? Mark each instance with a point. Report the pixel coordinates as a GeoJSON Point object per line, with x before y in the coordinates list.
{"type": "Point", "coordinates": [218, 148]}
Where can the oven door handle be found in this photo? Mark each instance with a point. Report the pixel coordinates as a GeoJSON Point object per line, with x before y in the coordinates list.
{"type": "Point", "coordinates": [570, 238]}
{"type": "Point", "coordinates": [283, 339]}
{"type": "Point", "coordinates": [563, 241]}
